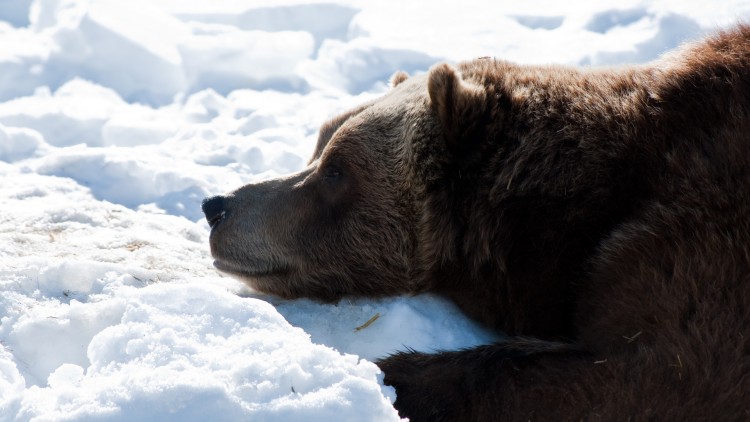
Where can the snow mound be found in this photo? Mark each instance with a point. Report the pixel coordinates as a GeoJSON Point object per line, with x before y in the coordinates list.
{"type": "Point", "coordinates": [140, 356]}
{"type": "Point", "coordinates": [19, 143]}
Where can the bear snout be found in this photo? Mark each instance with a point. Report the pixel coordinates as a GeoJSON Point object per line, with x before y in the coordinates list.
{"type": "Point", "coordinates": [213, 208]}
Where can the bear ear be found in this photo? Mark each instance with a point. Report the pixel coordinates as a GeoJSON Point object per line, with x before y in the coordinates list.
{"type": "Point", "coordinates": [398, 77]}
{"type": "Point", "coordinates": [457, 103]}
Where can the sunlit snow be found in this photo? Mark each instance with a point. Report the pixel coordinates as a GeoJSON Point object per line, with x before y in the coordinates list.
{"type": "Point", "coordinates": [118, 117]}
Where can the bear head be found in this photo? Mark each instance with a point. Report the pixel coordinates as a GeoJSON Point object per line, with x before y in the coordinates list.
{"type": "Point", "coordinates": [354, 220]}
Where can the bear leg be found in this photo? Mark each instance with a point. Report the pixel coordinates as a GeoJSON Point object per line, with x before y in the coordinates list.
{"type": "Point", "coordinates": [467, 384]}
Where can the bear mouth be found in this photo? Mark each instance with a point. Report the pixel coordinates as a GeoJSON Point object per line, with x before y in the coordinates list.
{"type": "Point", "coordinates": [267, 271]}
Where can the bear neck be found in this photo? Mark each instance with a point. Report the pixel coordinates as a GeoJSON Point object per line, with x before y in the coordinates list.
{"type": "Point", "coordinates": [514, 217]}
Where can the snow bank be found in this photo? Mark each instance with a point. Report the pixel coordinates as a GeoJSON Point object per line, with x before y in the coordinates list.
{"type": "Point", "coordinates": [164, 351]}
{"type": "Point", "coordinates": [117, 118]}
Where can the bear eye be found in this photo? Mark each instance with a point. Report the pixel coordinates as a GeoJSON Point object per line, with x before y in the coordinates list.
{"type": "Point", "coordinates": [331, 172]}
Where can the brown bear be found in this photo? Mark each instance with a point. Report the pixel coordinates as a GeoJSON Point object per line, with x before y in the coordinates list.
{"type": "Point", "coordinates": [600, 217]}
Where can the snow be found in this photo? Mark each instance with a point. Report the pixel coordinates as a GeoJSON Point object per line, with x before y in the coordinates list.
{"type": "Point", "coordinates": [118, 118]}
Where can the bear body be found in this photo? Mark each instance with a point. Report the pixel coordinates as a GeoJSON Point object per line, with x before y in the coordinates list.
{"type": "Point", "coordinates": [600, 217]}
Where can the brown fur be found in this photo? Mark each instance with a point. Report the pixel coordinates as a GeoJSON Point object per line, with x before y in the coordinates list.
{"type": "Point", "coordinates": [600, 217]}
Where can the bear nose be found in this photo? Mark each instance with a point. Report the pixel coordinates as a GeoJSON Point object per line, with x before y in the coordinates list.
{"type": "Point", "coordinates": [213, 207]}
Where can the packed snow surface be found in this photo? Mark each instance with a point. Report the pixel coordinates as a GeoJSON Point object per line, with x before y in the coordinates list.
{"type": "Point", "coordinates": [118, 117]}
